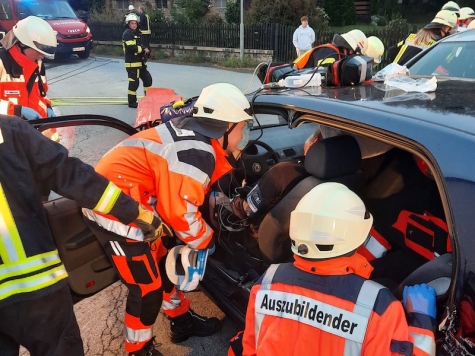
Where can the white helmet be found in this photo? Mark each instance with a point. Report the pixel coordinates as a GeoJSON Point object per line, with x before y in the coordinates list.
{"type": "Point", "coordinates": [443, 18]}
{"type": "Point", "coordinates": [354, 39]}
{"type": "Point", "coordinates": [131, 17]}
{"type": "Point", "coordinates": [471, 24]}
{"type": "Point", "coordinates": [466, 13]}
{"type": "Point", "coordinates": [329, 221]}
{"type": "Point", "coordinates": [375, 49]}
{"type": "Point", "coordinates": [452, 6]}
{"type": "Point", "coordinates": [186, 267]}
{"type": "Point", "coordinates": [131, 7]}
{"type": "Point", "coordinates": [37, 34]}
{"type": "Point", "coordinates": [223, 102]}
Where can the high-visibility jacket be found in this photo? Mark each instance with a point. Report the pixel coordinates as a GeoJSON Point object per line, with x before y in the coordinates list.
{"type": "Point", "coordinates": [406, 50]}
{"type": "Point", "coordinates": [145, 23]}
{"type": "Point", "coordinates": [22, 82]}
{"type": "Point", "coordinates": [131, 44]}
{"type": "Point", "coordinates": [169, 170]}
{"type": "Point", "coordinates": [30, 265]}
{"type": "Point", "coordinates": [331, 309]}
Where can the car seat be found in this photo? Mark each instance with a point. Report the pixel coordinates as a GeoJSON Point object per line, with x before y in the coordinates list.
{"type": "Point", "coordinates": [334, 159]}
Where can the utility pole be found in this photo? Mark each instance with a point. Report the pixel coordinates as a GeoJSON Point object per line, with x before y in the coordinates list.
{"type": "Point", "coordinates": [241, 32]}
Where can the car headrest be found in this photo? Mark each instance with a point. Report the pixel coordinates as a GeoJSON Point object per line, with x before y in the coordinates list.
{"type": "Point", "coordinates": [333, 157]}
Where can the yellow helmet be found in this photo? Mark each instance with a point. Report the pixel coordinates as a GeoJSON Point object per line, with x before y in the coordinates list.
{"type": "Point", "coordinates": [375, 49]}
{"type": "Point", "coordinates": [443, 18]}
{"type": "Point", "coordinates": [329, 221]}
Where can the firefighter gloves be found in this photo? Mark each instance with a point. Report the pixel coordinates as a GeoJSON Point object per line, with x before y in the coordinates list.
{"type": "Point", "coordinates": [150, 224]}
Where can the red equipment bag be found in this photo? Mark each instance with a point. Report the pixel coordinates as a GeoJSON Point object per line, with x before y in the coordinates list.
{"type": "Point", "coordinates": [425, 234]}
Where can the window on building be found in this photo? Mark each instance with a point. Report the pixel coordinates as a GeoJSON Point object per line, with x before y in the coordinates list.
{"type": "Point", "coordinates": [161, 4]}
{"type": "Point", "coordinates": [220, 3]}
{"type": "Point", "coordinates": [123, 4]}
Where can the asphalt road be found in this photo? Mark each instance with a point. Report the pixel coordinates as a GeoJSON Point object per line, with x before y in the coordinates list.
{"type": "Point", "coordinates": [100, 316]}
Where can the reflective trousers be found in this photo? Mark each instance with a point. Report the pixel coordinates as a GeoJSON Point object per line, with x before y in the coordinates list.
{"type": "Point", "coordinates": [141, 267]}
{"type": "Point", "coordinates": [45, 326]}
{"type": "Point", "coordinates": [134, 74]}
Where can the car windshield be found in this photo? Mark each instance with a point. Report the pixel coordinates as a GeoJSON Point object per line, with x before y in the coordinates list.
{"type": "Point", "coordinates": [451, 59]}
{"type": "Point", "coordinates": [47, 10]}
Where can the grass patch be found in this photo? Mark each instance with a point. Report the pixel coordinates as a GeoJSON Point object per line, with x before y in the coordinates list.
{"type": "Point", "coordinates": [236, 62]}
{"type": "Point", "coordinates": [107, 50]}
{"type": "Point", "coordinates": [191, 58]}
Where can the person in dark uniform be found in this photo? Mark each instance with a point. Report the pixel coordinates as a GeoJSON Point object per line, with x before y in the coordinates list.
{"type": "Point", "coordinates": [135, 59]}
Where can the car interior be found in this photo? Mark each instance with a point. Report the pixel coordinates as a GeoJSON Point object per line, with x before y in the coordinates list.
{"type": "Point", "coordinates": [390, 184]}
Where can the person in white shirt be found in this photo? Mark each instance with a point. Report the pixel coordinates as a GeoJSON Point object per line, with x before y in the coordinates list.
{"type": "Point", "coordinates": [304, 37]}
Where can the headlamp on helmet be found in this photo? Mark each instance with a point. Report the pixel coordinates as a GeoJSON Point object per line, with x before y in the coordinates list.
{"type": "Point", "coordinates": [185, 267]}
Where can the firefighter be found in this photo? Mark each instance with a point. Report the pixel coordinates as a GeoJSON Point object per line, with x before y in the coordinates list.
{"type": "Point", "coordinates": [467, 14]}
{"type": "Point", "coordinates": [135, 59]}
{"type": "Point", "coordinates": [22, 72]}
{"type": "Point", "coordinates": [169, 169]}
{"type": "Point", "coordinates": [145, 29]}
{"type": "Point", "coordinates": [441, 26]}
{"type": "Point", "coordinates": [324, 298]}
{"type": "Point", "coordinates": [35, 302]}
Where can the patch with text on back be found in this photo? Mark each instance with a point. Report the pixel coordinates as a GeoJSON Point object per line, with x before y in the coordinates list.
{"type": "Point", "coordinates": [312, 312]}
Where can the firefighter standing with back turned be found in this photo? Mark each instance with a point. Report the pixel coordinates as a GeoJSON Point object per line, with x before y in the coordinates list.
{"type": "Point", "coordinates": [135, 59]}
{"type": "Point", "coordinates": [325, 300]}
{"type": "Point", "coordinates": [36, 308]}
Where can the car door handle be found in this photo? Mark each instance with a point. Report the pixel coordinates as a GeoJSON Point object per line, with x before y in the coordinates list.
{"type": "Point", "coordinates": [79, 240]}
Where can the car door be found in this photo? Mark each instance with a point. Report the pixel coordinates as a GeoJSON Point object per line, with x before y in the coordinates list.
{"type": "Point", "coordinates": [87, 137]}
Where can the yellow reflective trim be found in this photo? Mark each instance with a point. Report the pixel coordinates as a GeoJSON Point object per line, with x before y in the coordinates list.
{"type": "Point", "coordinates": [133, 65]}
{"type": "Point", "coordinates": [146, 32]}
{"type": "Point", "coordinates": [29, 264]}
{"type": "Point", "coordinates": [401, 52]}
{"type": "Point", "coordinates": [32, 283]}
{"type": "Point", "coordinates": [131, 43]}
{"type": "Point", "coordinates": [130, 92]}
{"type": "Point", "coordinates": [139, 49]}
{"type": "Point", "coordinates": [108, 199]}
{"type": "Point", "coordinates": [11, 247]}
{"type": "Point", "coordinates": [326, 61]}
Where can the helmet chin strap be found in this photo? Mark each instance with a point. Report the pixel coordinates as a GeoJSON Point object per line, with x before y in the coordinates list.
{"type": "Point", "coordinates": [225, 136]}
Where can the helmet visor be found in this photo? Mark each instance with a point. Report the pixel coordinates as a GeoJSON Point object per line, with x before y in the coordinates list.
{"type": "Point", "coordinates": [45, 49]}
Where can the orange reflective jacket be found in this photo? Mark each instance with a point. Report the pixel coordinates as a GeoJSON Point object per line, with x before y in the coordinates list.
{"type": "Point", "coordinates": [331, 309]}
{"type": "Point", "coordinates": [22, 82]}
{"type": "Point", "coordinates": [167, 169]}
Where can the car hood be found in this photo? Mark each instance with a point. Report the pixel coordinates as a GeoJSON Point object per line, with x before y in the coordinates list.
{"type": "Point", "coordinates": [451, 104]}
{"type": "Point", "coordinates": [68, 26]}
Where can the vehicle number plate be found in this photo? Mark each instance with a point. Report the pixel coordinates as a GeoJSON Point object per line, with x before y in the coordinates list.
{"type": "Point", "coordinates": [77, 49]}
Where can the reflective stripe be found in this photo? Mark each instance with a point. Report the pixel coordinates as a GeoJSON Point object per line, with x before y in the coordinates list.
{"type": "Point", "coordinates": [32, 283]}
{"type": "Point", "coordinates": [375, 247]}
{"type": "Point", "coordinates": [4, 104]}
{"type": "Point", "coordinates": [265, 285]}
{"type": "Point", "coordinates": [108, 199]}
{"type": "Point", "coordinates": [117, 249]}
{"type": "Point", "coordinates": [135, 336]}
{"type": "Point", "coordinates": [133, 65]}
{"type": "Point", "coordinates": [116, 227]}
{"type": "Point", "coordinates": [424, 342]}
{"type": "Point", "coordinates": [131, 42]}
{"type": "Point", "coordinates": [195, 227]}
{"type": "Point", "coordinates": [30, 264]}
{"type": "Point", "coordinates": [364, 306]}
{"type": "Point", "coordinates": [173, 302]}
{"type": "Point", "coordinates": [11, 247]}
{"type": "Point", "coordinates": [401, 52]}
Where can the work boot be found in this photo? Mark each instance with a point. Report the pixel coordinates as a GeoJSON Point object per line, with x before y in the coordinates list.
{"type": "Point", "coordinates": [133, 105]}
{"type": "Point", "coordinates": [148, 349]}
{"type": "Point", "coordinates": [192, 324]}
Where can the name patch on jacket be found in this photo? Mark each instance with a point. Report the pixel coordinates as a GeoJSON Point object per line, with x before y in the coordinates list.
{"type": "Point", "coordinates": [312, 312]}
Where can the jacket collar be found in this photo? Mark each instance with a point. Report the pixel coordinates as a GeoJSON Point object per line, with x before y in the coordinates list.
{"type": "Point", "coordinates": [355, 264]}
{"type": "Point", "coordinates": [222, 165]}
{"type": "Point", "coordinates": [21, 64]}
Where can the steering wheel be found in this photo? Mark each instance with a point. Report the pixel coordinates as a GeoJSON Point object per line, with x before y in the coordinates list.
{"type": "Point", "coordinates": [257, 164]}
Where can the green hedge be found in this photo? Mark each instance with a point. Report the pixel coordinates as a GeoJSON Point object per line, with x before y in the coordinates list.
{"type": "Point", "coordinates": [341, 12]}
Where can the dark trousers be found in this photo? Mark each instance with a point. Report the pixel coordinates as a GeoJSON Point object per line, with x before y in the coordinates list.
{"type": "Point", "coordinates": [134, 74]}
{"type": "Point", "coordinates": [145, 41]}
{"type": "Point", "coordinates": [45, 326]}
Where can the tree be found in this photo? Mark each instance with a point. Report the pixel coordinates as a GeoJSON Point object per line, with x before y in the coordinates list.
{"type": "Point", "coordinates": [233, 12]}
{"type": "Point", "coordinates": [285, 12]}
{"type": "Point", "coordinates": [189, 11]}
{"type": "Point", "coordinates": [341, 12]}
